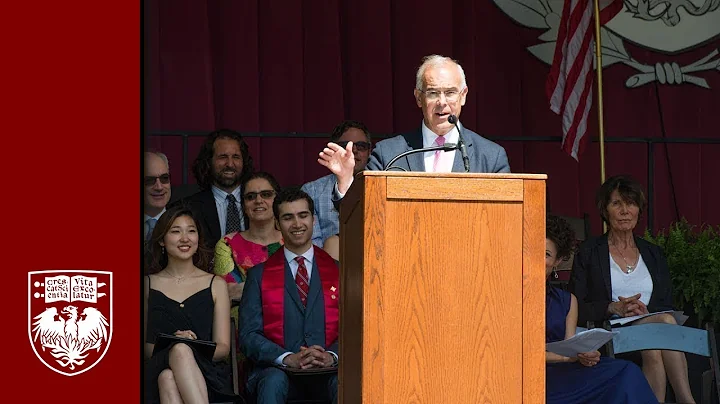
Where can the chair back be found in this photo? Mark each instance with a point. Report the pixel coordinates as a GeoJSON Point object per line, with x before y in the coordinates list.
{"type": "Point", "coordinates": [661, 336]}
{"type": "Point", "coordinates": [673, 337]}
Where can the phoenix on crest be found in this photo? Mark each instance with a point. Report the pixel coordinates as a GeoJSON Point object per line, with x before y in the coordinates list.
{"type": "Point", "coordinates": [70, 339]}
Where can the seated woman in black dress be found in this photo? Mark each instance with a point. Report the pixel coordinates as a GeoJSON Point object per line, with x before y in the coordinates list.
{"type": "Point", "coordinates": [587, 378]}
{"type": "Point", "coordinates": [183, 299]}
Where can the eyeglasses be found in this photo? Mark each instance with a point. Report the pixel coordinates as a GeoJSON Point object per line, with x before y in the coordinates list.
{"type": "Point", "coordinates": [361, 146]}
{"type": "Point", "coordinates": [434, 95]}
{"type": "Point", "coordinates": [150, 180]}
{"type": "Point", "coordinates": [250, 196]}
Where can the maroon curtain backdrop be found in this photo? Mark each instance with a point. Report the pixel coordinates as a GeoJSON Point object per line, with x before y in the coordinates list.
{"type": "Point", "coordinates": [303, 66]}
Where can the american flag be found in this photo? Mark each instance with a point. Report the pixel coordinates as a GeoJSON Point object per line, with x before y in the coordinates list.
{"type": "Point", "coordinates": [570, 83]}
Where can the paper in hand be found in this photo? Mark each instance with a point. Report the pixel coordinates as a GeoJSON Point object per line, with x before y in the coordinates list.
{"type": "Point", "coordinates": [586, 341]}
{"type": "Point", "coordinates": [679, 316]}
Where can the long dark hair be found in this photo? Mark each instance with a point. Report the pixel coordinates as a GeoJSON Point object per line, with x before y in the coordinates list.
{"type": "Point", "coordinates": [202, 166]}
{"type": "Point", "coordinates": [156, 257]}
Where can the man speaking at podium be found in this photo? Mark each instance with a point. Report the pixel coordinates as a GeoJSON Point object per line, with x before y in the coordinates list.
{"type": "Point", "coordinates": [440, 91]}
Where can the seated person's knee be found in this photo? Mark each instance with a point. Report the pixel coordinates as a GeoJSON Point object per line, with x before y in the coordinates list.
{"type": "Point", "coordinates": [166, 378]}
{"type": "Point", "coordinates": [273, 378]}
{"type": "Point", "coordinates": [181, 351]}
{"type": "Point", "coordinates": [651, 357]}
{"type": "Point", "coordinates": [666, 318]}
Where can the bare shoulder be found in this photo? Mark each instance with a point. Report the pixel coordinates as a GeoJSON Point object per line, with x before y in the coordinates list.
{"type": "Point", "coordinates": [218, 283]}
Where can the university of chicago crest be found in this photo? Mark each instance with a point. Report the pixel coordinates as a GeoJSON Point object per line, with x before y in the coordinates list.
{"type": "Point", "coordinates": [70, 318]}
{"type": "Point", "coordinates": [665, 27]}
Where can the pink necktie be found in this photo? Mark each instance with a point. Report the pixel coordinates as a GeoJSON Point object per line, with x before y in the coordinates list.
{"type": "Point", "coordinates": [438, 142]}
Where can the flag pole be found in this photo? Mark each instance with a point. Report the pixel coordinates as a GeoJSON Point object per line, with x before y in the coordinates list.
{"type": "Point", "coordinates": [598, 70]}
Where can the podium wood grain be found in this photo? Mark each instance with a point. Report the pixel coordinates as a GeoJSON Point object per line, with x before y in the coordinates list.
{"type": "Point", "coordinates": [442, 293]}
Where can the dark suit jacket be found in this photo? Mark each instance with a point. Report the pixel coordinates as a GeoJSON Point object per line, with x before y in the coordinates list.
{"type": "Point", "coordinates": [203, 204]}
{"type": "Point", "coordinates": [303, 326]}
{"type": "Point", "coordinates": [591, 285]}
{"type": "Point", "coordinates": [485, 156]}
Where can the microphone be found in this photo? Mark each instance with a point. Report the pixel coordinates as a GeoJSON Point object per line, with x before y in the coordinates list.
{"type": "Point", "coordinates": [445, 147]}
{"type": "Point", "coordinates": [453, 119]}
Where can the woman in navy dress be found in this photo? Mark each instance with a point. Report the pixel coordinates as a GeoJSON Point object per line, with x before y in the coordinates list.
{"type": "Point", "coordinates": [587, 378]}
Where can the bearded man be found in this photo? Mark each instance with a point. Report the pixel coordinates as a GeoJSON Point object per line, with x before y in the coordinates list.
{"type": "Point", "coordinates": [220, 168]}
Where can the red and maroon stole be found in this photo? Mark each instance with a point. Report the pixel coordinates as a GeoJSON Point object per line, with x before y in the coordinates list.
{"type": "Point", "coordinates": [273, 295]}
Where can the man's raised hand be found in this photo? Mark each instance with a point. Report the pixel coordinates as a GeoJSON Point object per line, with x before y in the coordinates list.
{"type": "Point", "coordinates": [340, 162]}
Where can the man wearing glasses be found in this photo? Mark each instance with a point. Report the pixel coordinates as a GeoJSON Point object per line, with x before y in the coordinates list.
{"type": "Point", "coordinates": [440, 90]}
{"type": "Point", "coordinates": [156, 190]}
{"type": "Point", "coordinates": [321, 190]}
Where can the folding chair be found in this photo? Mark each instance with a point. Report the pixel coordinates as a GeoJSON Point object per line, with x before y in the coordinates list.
{"type": "Point", "coordinates": [234, 366]}
{"type": "Point", "coordinates": [672, 337]}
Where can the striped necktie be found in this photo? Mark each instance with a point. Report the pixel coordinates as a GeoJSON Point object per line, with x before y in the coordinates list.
{"type": "Point", "coordinates": [301, 280]}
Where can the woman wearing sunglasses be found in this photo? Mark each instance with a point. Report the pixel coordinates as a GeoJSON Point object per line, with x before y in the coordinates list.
{"type": "Point", "coordinates": [239, 251]}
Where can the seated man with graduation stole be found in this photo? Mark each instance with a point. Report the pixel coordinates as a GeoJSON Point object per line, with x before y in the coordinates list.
{"type": "Point", "coordinates": [289, 312]}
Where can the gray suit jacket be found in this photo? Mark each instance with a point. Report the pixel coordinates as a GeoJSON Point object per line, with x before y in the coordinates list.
{"type": "Point", "coordinates": [304, 326]}
{"type": "Point", "coordinates": [485, 156]}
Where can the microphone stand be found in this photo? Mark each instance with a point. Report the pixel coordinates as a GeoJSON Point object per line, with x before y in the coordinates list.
{"type": "Point", "coordinates": [461, 142]}
{"type": "Point", "coordinates": [445, 147]}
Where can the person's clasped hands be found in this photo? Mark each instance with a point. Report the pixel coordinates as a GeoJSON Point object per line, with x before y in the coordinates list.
{"type": "Point", "coordinates": [628, 306]}
{"type": "Point", "coordinates": [589, 358]}
{"type": "Point", "coordinates": [309, 357]}
{"type": "Point", "coordinates": [189, 334]}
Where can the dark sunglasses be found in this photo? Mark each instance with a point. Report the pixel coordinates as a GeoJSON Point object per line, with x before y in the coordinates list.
{"type": "Point", "coordinates": [150, 180]}
{"type": "Point", "coordinates": [361, 146]}
{"type": "Point", "coordinates": [250, 196]}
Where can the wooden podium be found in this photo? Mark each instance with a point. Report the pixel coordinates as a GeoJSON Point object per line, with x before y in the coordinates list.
{"type": "Point", "coordinates": [442, 289]}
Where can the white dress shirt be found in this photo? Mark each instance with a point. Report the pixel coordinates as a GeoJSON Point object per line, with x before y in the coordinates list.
{"type": "Point", "coordinates": [309, 255]}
